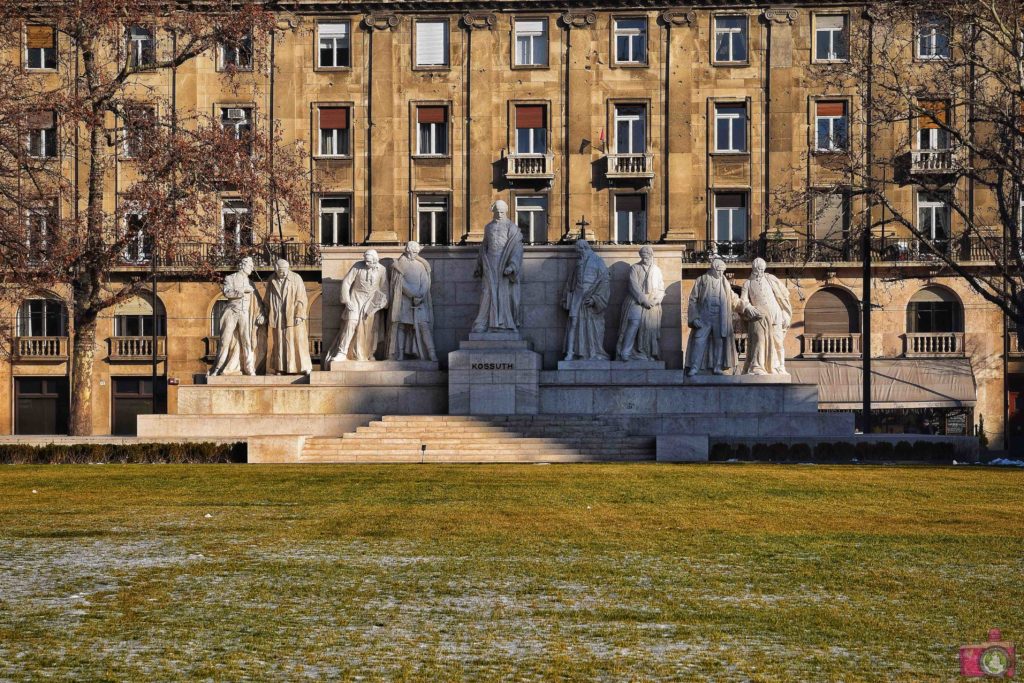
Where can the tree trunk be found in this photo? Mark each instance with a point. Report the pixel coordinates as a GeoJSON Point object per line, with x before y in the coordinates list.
{"type": "Point", "coordinates": [83, 353]}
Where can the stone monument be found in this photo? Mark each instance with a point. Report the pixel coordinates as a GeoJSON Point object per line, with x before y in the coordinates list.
{"type": "Point", "coordinates": [499, 268]}
{"type": "Point", "coordinates": [364, 294]}
{"type": "Point", "coordinates": [412, 315]}
{"type": "Point", "coordinates": [767, 313]}
{"type": "Point", "coordinates": [709, 313]}
{"type": "Point", "coordinates": [586, 298]}
{"type": "Point", "coordinates": [288, 336]}
{"type": "Point", "coordinates": [640, 324]}
{"type": "Point", "coordinates": [238, 323]}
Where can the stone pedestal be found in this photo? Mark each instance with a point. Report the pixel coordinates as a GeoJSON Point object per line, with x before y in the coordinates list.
{"type": "Point", "coordinates": [381, 365]}
{"type": "Point", "coordinates": [611, 365]}
{"type": "Point", "coordinates": [494, 373]}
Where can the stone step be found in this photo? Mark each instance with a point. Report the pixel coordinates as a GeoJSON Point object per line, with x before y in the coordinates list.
{"type": "Point", "coordinates": [459, 457]}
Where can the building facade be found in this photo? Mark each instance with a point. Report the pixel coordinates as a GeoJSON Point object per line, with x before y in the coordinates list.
{"type": "Point", "coordinates": [677, 126]}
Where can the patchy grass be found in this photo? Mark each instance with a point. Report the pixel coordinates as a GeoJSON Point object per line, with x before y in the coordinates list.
{"type": "Point", "coordinates": [613, 572]}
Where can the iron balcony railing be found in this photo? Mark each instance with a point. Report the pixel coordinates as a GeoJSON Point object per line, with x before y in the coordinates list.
{"type": "Point", "coordinates": [936, 160]}
{"type": "Point", "coordinates": [46, 349]}
{"type": "Point", "coordinates": [192, 254]}
{"type": "Point", "coordinates": [530, 167]}
{"type": "Point", "coordinates": [136, 348]}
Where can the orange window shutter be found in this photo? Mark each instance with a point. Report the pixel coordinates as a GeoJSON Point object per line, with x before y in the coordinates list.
{"type": "Point", "coordinates": [831, 109]}
{"type": "Point", "coordinates": [935, 115]}
{"type": "Point", "coordinates": [39, 36]}
{"type": "Point", "coordinates": [41, 119]}
{"type": "Point", "coordinates": [431, 114]}
{"type": "Point", "coordinates": [530, 116]}
{"type": "Point", "coordinates": [333, 117]}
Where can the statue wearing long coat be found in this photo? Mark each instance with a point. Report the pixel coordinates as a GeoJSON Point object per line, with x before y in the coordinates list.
{"type": "Point", "coordinates": [646, 283]}
{"type": "Point", "coordinates": [500, 250]}
{"type": "Point", "coordinates": [589, 281]}
{"type": "Point", "coordinates": [287, 308]}
{"type": "Point", "coordinates": [709, 314]}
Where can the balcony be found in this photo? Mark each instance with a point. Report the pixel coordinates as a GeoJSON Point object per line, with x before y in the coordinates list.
{"type": "Point", "coordinates": [41, 349]}
{"type": "Point", "coordinates": [831, 345]}
{"type": "Point", "coordinates": [526, 167]}
{"type": "Point", "coordinates": [925, 344]}
{"type": "Point", "coordinates": [630, 166]}
{"type": "Point", "coordinates": [935, 161]}
{"type": "Point", "coordinates": [192, 254]}
{"type": "Point", "coordinates": [138, 349]}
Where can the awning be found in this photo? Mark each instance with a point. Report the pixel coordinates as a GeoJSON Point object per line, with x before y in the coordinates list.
{"type": "Point", "coordinates": [895, 383]}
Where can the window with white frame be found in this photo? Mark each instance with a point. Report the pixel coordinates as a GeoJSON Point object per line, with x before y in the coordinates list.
{"type": "Point", "coordinates": [630, 129]}
{"type": "Point", "coordinates": [933, 31]}
{"type": "Point", "coordinates": [432, 43]}
{"type": "Point", "coordinates": [731, 127]}
{"type": "Point", "coordinates": [432, 130]}
{"type": "Point", "coordinates": [630, 218]}
{"type": "Point", "coordinates": [334, 43]}
{"type": "Point", "coordinates": [237, 54]}
{"type": "Point", "coordinates": [432, 219]}
{"type": "Point", "coordinates": [40, 47]}
{"type": "Point", "coordinates": [336, 220]}
{"type": "Point", "coordinates": [42, 318]}
{"type": "Point", "coordinates": [730, 217]}
{"type": "Point", "coordinates": [335, 140]}
{"type": "Point", "coordinates": [730, 39]}
{"type": "Point", "coordinates": [138, 123]}
{"type": "Point", "coordinates": [138, 243]}
{"type": "Point", "coordinates": [141, 47]}
{"type": "Point", "coordinates": [42, 134]}
{"type": "Point", "coordinates": [237, 121]}
{"type": "Point", "coordinates": [631, 41]}
{"type": "Point", "coordinates": [531, 40]}
{"type": "Point", "coordinates": [831, 38]}
{"type": "Point", "coordinates": [532, 218]}
{"type": "Point", "coordinates": [933, 215]}
{"type": "Point", "coordinates": [933, 126]}
{"type": "Point", "coordinates": [831, 126]}
{"type": "Point", "coordinates": [40, 222]}
{"type": "Point", "coordinates": [531, 129]}
{"type": "Point", "coordinates": [236, 223]}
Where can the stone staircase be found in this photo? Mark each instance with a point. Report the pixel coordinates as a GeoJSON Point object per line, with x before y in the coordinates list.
{"type": "Point", "coordinates": [472, 439]}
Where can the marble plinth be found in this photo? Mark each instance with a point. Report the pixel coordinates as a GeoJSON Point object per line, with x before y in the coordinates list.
{"type": "Point", "coordinates": [611, 365]}
{"type": "Point", "coordinates": [682, 448]}
{"type": "Point", "coordinates": [494, 373]}
{"type": "Point", "coordinates": [382, 365]}
{"type": "Point", "coordinates": [785, 378]}
{"type": "Point", "coordinates": [252, 380]}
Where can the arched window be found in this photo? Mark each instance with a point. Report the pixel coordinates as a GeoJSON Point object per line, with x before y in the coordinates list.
{"type": "Point", "coordinates": [935, 309]}
{"type": "Point", "coordinates": [831, 311]}
{"type": "Point", "coordinates": [42, 318]}
{"type": "Point", "coordinates": [134, 318]}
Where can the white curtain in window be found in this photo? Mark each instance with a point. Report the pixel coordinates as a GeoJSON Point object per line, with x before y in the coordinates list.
{"type": "Point", "coordinates": [431, 43]}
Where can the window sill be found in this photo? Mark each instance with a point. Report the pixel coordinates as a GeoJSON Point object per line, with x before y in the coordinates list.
{"type": "Point", "coordinates": [730, 64]}
{"type": "Point", "coordinates": [829, 62]}
{"type": "Point", "coordinates": [40, 70]}
{"type": "Point", "coordinates": [530, 67]}
{"type": "Point", "coordinates": [429, 157]}
{"type": "Point", "coordinates": [936, 58]}
{"type": "Point", "coordinates": [828, 152]}
{"type": "Point", "coordinates": [729, 154]}
{"type": "Point", "coordinates": [332, 157]}
{"type": "Point", "coordinates": [237, 70]}
{"type": "Point", "coordinates": [630, 65]}
{"type": "Point", "coordinates": [432, 67]}
{"type": "Point", "coordinates": [332, 69]}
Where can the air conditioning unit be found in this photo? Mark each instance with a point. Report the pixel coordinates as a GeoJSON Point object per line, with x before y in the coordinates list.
{"type": "Point", "coordinates": [235, 114]}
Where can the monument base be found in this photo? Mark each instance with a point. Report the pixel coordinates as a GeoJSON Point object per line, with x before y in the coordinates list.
{"type": "Point", "coordinates": [494, 373]}
{"type": "Point", "coordinates": [611, 365]}
{"type": "Point", "coordinates": [381, 365]}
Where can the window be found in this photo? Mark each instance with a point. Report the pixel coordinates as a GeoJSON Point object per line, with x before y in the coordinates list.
{"type": "Point", "coordinates": [730, 217]}
{"type": "Point", "coordinates": [933, 126]}
{"type": "Point", "coordinates": [730, 128]}
{"type": "Point", "coordinates": [432, 220]}
{"type": "Point", "coordinates": [830, 38]}
{"type": "Point", "coordinates": [42, 318]}
{"type": "Point", "coordinates": [531, 42]}
{"type": "Point", "coordinates": [138, 239]}
{"type": "Point", "coordinates": [237, 54]}
{"type": "Point", "coordinates": [630, 129]}
{"type": "Point", "coordinates": [935, 310]}
{"type": "Point", "coordinates": [141, 48]}
{"type": "Point", "coordinates": [831, 127]}
{"type": "Point", "coordinates": [933, 216]}
{"type": "Point", "coordinates": [237, 121]}
{"type": "Point", "coordinates": [335, 221]}
{"type": "Point", "coordinates": [40, 222]}
{"type": "Point", "coordinates": [933, 33]}
{"type": "Point", "coordinates": [138, 122]}
{"type": "Point", "coordinates": [40, 47]}
{"type": "Point", "coordinates": [334, 132]}
{"type": "Point", "coordinates": [531, 129]}
{"type": "Point", "coordinates": [334, 45]}
{"type": "Point", "coordinates": [730, 39]}
{"type": "Point", "coordinates": [236, 223]}
{"type": "Point", "coordinates": [532, 218]}
{"type": "Point", "coordinates": [831, 215]}
{"type": "Point", "coordinates": [432, 129]}
{"type": "Point", "coordinates": [139, 324]}
{"type": "Point", "coordinates": [630, 218]}
{"type": "Point", "coordinates": [631, 41]}
{"type": "Point", "coordinates": [42, 134]}
{"type": "Point", "coordinates": [431, 43]}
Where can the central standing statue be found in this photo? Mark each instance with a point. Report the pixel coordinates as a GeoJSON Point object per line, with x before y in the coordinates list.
{"type": "Point", "coordinates": [640, 325]}
{"type": "Point", "coordinates": [586, 297]}
{"type": "Point", "coordinates": [712, 346]}
{"type": "Point", "coordinates": [287, 307]}
{"type": "Point", "coordinates": [364, 294]}
{"type": "Point", "coordinates": [412, 313]}
{"type": "Point", "coordinates": [238, 323]}
{"type": "Point", "coordinates": [499, 266]}
{"type": "Point", "coordinates": [769, 315]}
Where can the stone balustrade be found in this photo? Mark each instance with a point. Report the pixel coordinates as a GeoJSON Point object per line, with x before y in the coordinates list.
{"type": "Point", "coordinates": [530, 167]}
{"type": "Point", "coordinates": [831, 344]}
{"type": "Point", "coordinates": [630, 166]}
{"type": "Point", "coordinates": [136, 348]}
{"type": "Point", "coordinates": [41, 348]}
{"type": "Point", "coordinates": [934, 344]}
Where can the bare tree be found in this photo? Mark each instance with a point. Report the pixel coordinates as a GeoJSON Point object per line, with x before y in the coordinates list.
{"type": "Point", "coordinates": [929, 144]}
{"type": "Point", "coordinates": [62, 130]}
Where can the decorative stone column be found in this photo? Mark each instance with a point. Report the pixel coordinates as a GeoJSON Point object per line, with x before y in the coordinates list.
{"type": "Point", "coordinates": [578, 82]}
{"type": "Point", "coordinates": [678, 135]}
{"type": "Point", "coordinates": [382, 204]}
{"type": "Point", "coordinates": [481, 76]}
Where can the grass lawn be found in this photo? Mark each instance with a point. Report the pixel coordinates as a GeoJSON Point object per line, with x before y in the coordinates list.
{"type": "Point", "coordinates": [582, 572]}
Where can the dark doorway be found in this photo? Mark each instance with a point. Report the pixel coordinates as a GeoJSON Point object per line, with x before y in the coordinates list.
{"type": "Point", "coordinates": [41, 405]}
{"type": "Point", "coordinates": [133, 396]}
